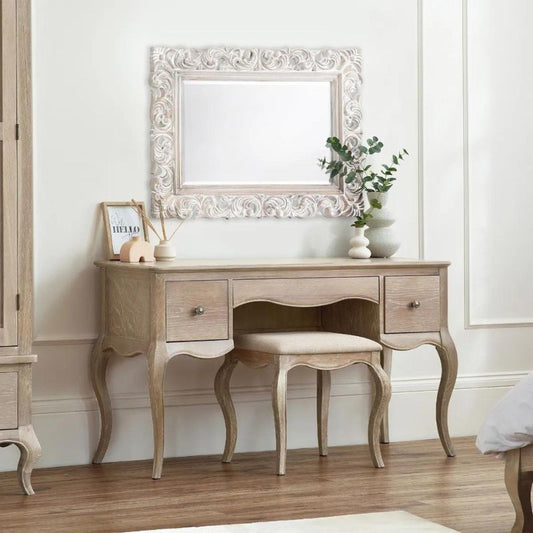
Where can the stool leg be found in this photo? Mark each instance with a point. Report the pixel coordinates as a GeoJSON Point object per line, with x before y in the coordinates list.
{"type": "Point", "coordinates": [322, 409]}
{"type": "Point", "coordinates": [223, 394]}
{"type": "Point", "coordinates": [381, 401]}
{"type": "Point", "coordinates": [279, 405]}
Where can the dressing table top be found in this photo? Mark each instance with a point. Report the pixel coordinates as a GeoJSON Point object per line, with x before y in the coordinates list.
{"type": "Point", "coordinates": [318, 263]}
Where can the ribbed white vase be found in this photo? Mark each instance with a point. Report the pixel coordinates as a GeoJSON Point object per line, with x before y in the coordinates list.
{"type": "Point", "coordinates": [358, 245]}
{"type": "Point", "coordinates": [384, 241]}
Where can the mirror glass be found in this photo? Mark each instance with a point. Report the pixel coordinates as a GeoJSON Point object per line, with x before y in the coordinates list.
{"type": "Point", "coordinates": [254, 132]}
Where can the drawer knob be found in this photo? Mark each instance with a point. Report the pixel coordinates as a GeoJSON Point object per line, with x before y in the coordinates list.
{"type": "Point", "coordinates": [199, 310]}
{"type": "Point", "coordinates": [415, 304]}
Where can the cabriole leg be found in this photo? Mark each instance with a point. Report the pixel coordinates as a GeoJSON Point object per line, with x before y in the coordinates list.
{"type": "Point", "coordinates": [381, 400]}
{"type": "Point", "coordinates": [223, 394]}
{"type": "Point", "coordinates": [99, 363]}
{"type": "Point", "coordinates": [157, 363]}
{"type": "Point", "coordinates": [448, 359]}
{"type": "Point", "coordinates": [30, 451]}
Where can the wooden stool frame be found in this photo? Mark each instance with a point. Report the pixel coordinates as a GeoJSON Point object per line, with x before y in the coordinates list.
{"type": "Point", "coordinates": [323, 363]}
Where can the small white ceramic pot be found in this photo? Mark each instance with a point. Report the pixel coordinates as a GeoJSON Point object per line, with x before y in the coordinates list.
{"type": "Point", "coordinates": [164, 251]}
{"type": "Point", "coordinates": [358, 244]}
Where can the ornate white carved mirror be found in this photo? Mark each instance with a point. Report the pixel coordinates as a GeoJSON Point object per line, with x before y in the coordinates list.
{"type": "Point", "coordinates": [238, 132]}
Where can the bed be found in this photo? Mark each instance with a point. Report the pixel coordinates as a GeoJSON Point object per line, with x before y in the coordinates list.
{"type": "Point", "coordinates": [508, 432]}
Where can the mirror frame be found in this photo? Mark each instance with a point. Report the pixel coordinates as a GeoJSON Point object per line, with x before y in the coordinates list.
{"type": "Point", "coordinates": [170, 66]}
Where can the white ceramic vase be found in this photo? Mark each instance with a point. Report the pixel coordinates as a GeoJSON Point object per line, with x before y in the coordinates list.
{"type": "Point", "coordinates": [383, 239]}
{"type": "Point", "coordinates": [358, 245]}
{"type": "Point", "coordinates": [164, 251]}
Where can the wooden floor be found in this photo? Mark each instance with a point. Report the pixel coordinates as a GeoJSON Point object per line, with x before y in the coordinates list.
{"type": "Point", "coordinates": [465, 493]}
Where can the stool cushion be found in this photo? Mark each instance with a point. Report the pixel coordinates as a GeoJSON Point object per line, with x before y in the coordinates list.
{"type": "Point", "coordinates": [304, 342]}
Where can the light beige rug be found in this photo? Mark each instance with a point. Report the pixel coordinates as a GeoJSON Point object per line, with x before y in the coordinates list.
{"type": "Point", "coordinates": [391, 522]}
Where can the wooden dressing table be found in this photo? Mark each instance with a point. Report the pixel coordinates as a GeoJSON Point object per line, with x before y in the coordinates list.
{"type": "Point", "coordinates": [193, 308]}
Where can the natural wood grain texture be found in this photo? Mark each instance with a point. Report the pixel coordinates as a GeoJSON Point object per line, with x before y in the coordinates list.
{"type": "Point", "coordinates": [25, 177]}
{"type": "Point", "coordinates": [526, 459]}
{"type": "Point", "coordinates": [8, 400]}
{"type": "Point", "coordinates": [129, 328]}
{"type": "Point", "coordinates": [127, 301]}
{"type": "Point", "coordinates": [16, 260]}
{"type": "Point", "coordinates": [184, 297]}
{"type": "Point", "coordinates": [518, 481]}
{"type": "Point", "coordinates": [323, 392]}
{"type": "Point", "coordinates": [279, 407]}
{"type": "Point", "coordinates": [157, 358]}
{"type": "Point", "coordinates": [448, 360]}
{"type": "Point", "coordinates": [409, 341]}
{"type": "Point", "coordinates": [323, 362]}
{"type": "Point", "coordinates": [157, 363]}
{"type": "Point", "coordinates": [265, 316]}
{"type": "Point", "coordinates": [17, 359]}
{"type": "Point", "coordinates": [23, 437]}
{"type": "Point", "coordinates": [299, 263]}
{"type": "Point", "coordinates": [9, 175]}
{"type": "Point", "coordinates": [307, 292]}
{"type": "Point", "coordinates": [200, 350]}
{"type": "Point", "coordinates": [98, 370]}
{"type": "Point", "coordinates": [30, 452]}
{"type": "Point", "coordinates": [467, 493]}
{"type": "Point", "coordinates": [382, 395]}
{"type": "Point", "coordinates": [401, 293]}
{"type": "Point", "coordinates": [386, 364]}
{"type": "Point", "coordinates": [353, 317]}
{"type": "Point", "coordinates": [222, 385]}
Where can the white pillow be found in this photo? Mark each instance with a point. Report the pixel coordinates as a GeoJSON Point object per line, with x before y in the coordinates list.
{"type": "Point", "coordinates": [509, 424]}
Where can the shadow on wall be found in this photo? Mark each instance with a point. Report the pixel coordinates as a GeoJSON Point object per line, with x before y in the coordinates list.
{"type": "Point", "coordinates": [336, 240]}
{"type": "Point", "coordinates": [77, 276]}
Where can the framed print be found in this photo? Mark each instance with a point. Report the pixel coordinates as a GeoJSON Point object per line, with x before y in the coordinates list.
{"type": "Point", "coordinates": [122, 222]}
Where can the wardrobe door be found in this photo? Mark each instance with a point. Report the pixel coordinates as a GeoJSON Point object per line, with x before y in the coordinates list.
{"type": "Point", "coordinates": [8, 177]}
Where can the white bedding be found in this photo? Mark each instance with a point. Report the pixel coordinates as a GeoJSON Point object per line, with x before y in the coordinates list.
{"type": "Point", "coordinates": [510, 423]}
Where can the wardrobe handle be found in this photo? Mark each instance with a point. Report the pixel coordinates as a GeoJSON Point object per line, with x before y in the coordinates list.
{"type": "Point", "coordinates": [199, 310]}
{"type": "Point", "coordinates": [415, 304]}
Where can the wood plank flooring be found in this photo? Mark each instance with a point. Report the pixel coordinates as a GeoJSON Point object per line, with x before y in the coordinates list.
{"type": "Point", "coordinates": [465, 493]}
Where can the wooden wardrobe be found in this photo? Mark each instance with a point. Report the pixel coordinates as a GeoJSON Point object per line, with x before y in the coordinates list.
{"type": "Point", "coordinates": [16, 238]}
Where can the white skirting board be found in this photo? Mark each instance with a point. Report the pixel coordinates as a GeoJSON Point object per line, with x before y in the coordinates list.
{"type": "Point", "coordinates": [68, 427]}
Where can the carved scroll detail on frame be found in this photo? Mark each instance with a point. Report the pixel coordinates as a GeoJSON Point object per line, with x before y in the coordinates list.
{"type": "Point", "coordinates": [166, 66]}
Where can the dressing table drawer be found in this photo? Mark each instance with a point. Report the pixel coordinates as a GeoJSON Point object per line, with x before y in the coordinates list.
{"type": "Point", "coordinates": [305, 291]}
{"type": "Point", "coordinates": [412, 304]}
{"type": "Point", "coordinates": [8, 400]}
{"type": "Point", "coordinates": [197, 310]}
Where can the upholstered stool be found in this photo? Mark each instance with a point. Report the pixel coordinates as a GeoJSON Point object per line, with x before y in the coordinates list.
{"type": "Point", "coordinates": [321, 350]}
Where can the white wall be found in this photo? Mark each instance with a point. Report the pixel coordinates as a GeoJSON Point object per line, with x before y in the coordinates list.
{"type": "Point", "coordinates": [91, 112]}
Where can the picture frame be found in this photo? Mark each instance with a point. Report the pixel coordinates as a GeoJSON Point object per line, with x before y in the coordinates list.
{"type": "Point", "coordinates": [122, 222]}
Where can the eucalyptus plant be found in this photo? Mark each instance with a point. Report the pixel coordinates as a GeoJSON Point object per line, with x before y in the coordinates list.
{"type": "Point", "coordinates": [351, 167]}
